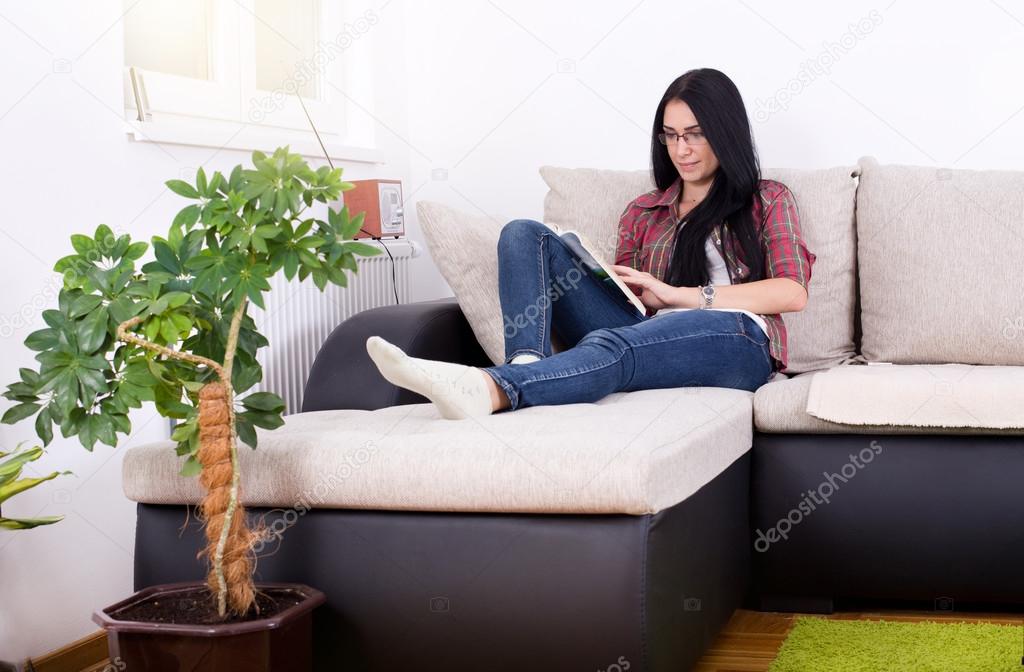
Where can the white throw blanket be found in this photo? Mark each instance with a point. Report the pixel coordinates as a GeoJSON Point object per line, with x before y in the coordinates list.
{"type": "Point", "coordinates": [922, 395]}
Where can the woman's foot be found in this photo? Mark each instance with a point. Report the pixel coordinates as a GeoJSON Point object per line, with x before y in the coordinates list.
{"type": "Point", "coordinates": [458, 391]}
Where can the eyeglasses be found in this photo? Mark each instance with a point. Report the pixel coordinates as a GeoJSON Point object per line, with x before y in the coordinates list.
{"type": "Point", "coordinates": [692, 138]}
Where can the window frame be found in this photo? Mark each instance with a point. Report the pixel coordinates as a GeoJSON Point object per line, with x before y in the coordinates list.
{"type": "Point", "coordinates": [184, 110]}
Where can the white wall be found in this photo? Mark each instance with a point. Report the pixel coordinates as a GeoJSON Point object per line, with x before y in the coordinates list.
{"type": "Point", "coordinates": [468, 105]}
{"type": "Point", "coordinates": [927, 83]}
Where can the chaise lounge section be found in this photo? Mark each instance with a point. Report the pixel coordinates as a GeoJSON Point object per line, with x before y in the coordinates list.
{"type": "Point", "coordinates": [573, 537]}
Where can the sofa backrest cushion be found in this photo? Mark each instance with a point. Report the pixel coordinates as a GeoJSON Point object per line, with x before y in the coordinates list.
{"type": "Point", "coordinates": [821, 335]}
{"type": "Point", "coordinates": [464, 247]}
{"type": "Point", "coordinates": [939, 254]}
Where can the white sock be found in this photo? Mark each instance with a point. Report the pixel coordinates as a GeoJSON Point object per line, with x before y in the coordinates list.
{"type": "Point", "coordinates": [458, 391]}
{"type": "Point", "coordinates": [524, 358]}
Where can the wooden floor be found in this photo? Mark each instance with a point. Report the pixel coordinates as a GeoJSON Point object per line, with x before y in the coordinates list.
{"type": "Point", "coordinates": [751, 639]}
{"type": "Point", "coordinates": [748, 643]}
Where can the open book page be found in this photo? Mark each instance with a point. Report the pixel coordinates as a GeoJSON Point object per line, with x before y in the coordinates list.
{"type": "Point", "coordinates": [591, 259]}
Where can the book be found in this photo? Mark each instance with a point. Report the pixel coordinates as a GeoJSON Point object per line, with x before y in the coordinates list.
{"type": "Point", "coordinates": [593, 262]}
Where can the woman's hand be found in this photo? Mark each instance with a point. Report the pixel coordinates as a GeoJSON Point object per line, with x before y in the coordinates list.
{"type": "Point", "coordinates": [656, 294]}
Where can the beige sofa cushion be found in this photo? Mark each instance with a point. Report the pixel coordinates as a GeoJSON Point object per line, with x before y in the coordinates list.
{"type": "Point", "coordinates": [781, 407]}
{"type": "Point", "coordinates": [464, 249]}
{"type": "Point", "coordinates": [821, 335]}
{"type": "Point", "coordinates": [940, 264]}
{"type": "Point", "coordinates": [636, 453]}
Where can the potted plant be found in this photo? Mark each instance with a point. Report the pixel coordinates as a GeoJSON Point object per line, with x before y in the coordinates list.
{"type": "Point", "coordinates": [176, 332]}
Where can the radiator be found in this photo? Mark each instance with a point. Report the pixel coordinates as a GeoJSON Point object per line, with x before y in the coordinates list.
{"type": "Point", "coordinates": [298, 317]}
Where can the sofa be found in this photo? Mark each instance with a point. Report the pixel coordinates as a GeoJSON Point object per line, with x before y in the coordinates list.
{"type": "Point", "coordinates": [882, 466]}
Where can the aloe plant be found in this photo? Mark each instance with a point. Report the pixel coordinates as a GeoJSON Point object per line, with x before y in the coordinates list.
{"type": "Point", "coordinates": [176, 331]}
{"type": "Point", "coordinates": [11, 465]}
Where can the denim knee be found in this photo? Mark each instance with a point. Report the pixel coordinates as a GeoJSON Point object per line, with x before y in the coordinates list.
{"type": "Point", "coordinates": [512, 232]}
{"type": "Point", "coordinates": [606, 338]}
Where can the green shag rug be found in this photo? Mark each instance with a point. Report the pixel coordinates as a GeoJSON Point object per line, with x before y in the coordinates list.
{"type": "Point", "coordinates": [827, 645]}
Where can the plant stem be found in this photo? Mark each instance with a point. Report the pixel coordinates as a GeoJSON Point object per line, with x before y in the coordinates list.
{"type": "Point", "coordinates": [224, 373]}
{"type": "Point", "coordinates": [229, 360]}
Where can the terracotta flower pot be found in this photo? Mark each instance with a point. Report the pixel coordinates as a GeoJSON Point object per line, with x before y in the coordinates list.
{"type": "Point", "coordinates": [282, 642]}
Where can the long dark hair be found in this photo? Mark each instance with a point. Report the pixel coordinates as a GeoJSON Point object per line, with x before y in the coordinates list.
{"type": "Point", "coordinates": [716, 103]}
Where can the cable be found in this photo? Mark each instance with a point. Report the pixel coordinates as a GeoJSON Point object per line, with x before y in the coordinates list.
{"type": "Point", "coordinates": [394, 277]}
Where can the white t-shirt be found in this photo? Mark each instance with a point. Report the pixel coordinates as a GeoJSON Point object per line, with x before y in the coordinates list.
{"type": "Point", "coordinates": [719, 275]}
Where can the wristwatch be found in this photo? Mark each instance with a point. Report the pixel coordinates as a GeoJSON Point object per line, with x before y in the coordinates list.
{"type": "Point", "coordinates": [708, 294]}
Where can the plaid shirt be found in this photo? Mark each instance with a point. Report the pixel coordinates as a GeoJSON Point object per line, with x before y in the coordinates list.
{"type": "Point", "coordinates": [646, 239]}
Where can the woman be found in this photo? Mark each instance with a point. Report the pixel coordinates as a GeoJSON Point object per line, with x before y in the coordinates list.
{"type": "Point", "coordinates": [714, 253]}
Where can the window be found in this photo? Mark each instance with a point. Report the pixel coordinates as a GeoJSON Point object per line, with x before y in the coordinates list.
{"type": "Point", "coordinates": [199, 68]}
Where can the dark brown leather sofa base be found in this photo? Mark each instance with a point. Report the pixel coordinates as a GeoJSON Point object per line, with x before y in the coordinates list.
{"type": "Point", "coordinates": [479, 591]}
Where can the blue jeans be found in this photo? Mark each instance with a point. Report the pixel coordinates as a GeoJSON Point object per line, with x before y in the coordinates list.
{"type": "Point", "coordinates": [612, 347]}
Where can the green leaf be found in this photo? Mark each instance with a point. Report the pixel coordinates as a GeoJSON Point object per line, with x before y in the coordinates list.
{"type": "Point", "coordinates": [310, 241]}
{"type": "Point", "coordinates": [363, 249]}
{"type": "Point", "coordinates": [291, 264]}
{"type": "Point", "coordinates": [152, 328]}
{"type": "Point", "coordinates": [182, 188]}
{"type": "Point", "coordinates": [246, 432]}
{"type": "Point", "coordinates": [165, 255]}
{"type": "Point", "coordinates": [11, 466]}
{"type": "Point", "coordinates": [191, 467]}
{"type": "Point", "coordinates": [20, 412]}
{"type": "Point", "coordinates": [84, 245]}
{"type": "Point", "coordinates": [168, 331]}
{"type": "Point", "coordinates": [135, 251]}
{"type": "Point", "coordinates": [91, 331]}
{"type": "Point", "coordinates": [84, 304]}
{"type": "Point", "coordinates": [44, 339]}
{"type": "Point", "coordinates": [8, 490]}
{"type": "Point", "coordinates": [187, 217]}
{"type": "Point", "coordinates": [265, 420]}
{"type": "Point", "coordinates": [201, 181]}
{"type": "Point", "coordinates": [264, 401]}
{"type": "Point", "coordinates": [44, 426]}
{"type": "Point", "coordinates": [28, 523]}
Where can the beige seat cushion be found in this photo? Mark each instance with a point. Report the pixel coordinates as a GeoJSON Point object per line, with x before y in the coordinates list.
{"type": "Point", "coordinates": [940, 254]}
{"type": "Point", "coordinates": [781, 407]}
{"type": "Point", "coordinates": [819, 336]}
{"type": "Point", "coordinates": [631, 452]}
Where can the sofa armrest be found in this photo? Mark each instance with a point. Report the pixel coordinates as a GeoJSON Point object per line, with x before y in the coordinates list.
{"type": "Point", "coordinates": [344, 376]}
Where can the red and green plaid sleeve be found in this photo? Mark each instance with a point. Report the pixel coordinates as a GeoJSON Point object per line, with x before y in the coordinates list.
{"type": "Point", "coordinates": [627, 247]}
{"type": "Point", "coordinates": [786, 253]}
